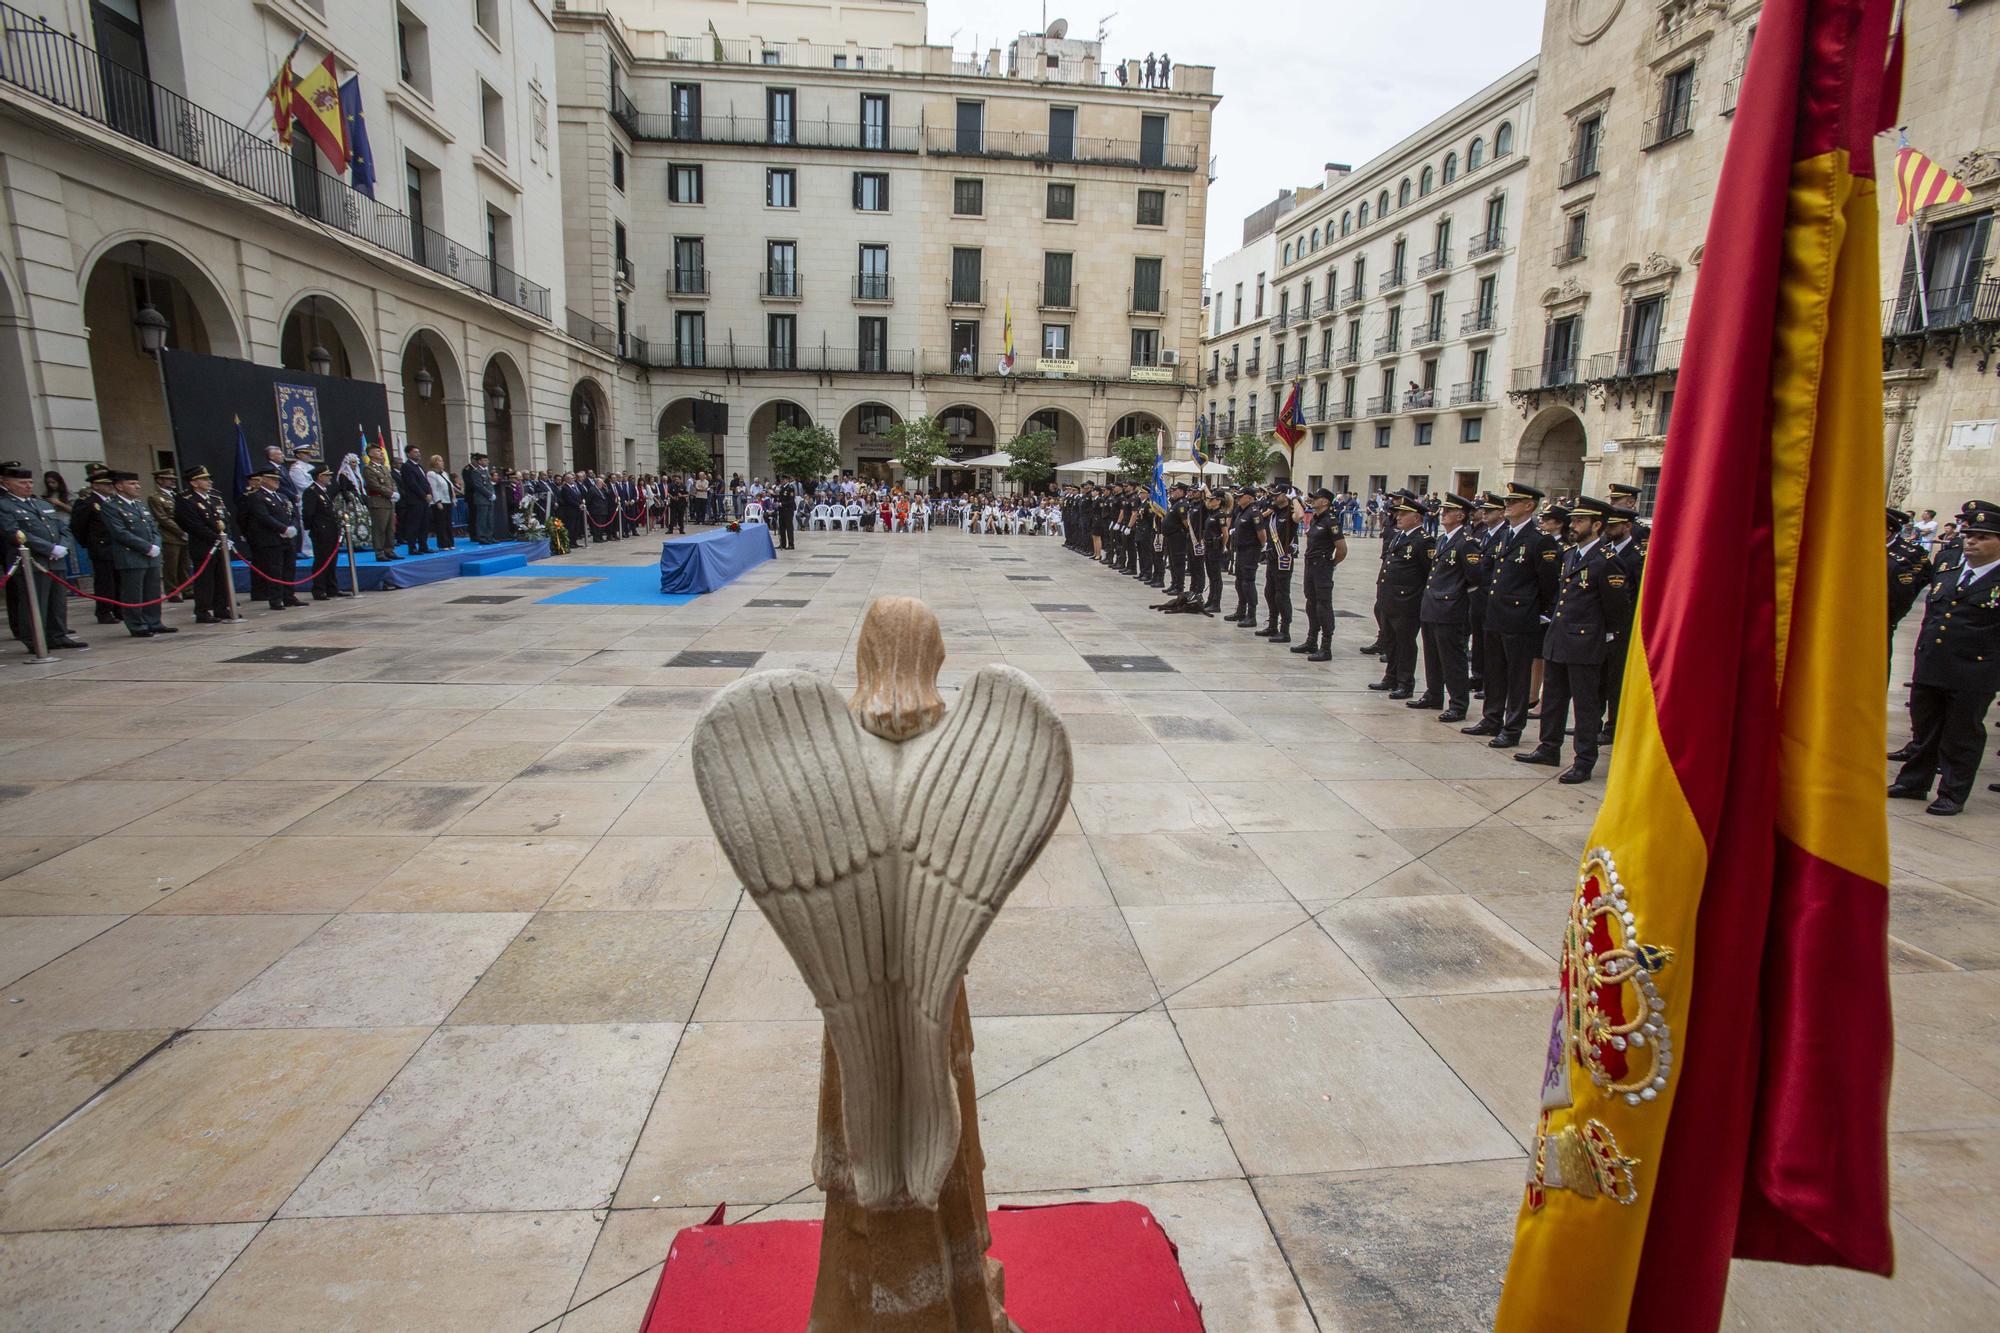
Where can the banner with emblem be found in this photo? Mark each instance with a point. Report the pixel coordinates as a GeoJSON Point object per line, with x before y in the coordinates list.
{"type": "Point", "coordinates": [298, 417]}
{"type": "Point", "coordinates": [1717, 1074]}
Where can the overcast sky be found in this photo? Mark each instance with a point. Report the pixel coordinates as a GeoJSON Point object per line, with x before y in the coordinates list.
{"type": "Point", "coordinates": [1303, 82]}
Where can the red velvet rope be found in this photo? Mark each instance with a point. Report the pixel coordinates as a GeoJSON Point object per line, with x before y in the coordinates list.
{"type": "Point", "coordinates": [135, 606]}
{"type": "Point", "coordinates": [338, 546]}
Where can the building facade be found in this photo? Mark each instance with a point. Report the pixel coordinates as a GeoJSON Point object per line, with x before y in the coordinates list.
{"type": "Point", "coordinates": [1393, 290]}
{"type": "Point", "coordinates": [138, 172]}
{"type": "Point", "coordinates": [1236, 323]}
{"type": "Point", "coordinates": [813, 230]}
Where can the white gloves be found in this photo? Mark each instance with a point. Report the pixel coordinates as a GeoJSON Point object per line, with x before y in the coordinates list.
{"type": "Point", "coordinates": [291, 532]}
{"type": "Point", "coordinates": [58, 552]}
{"type": "Point", "coordinates": [152, 551]}
{"type": "Point", "coordinates": [395, 495]}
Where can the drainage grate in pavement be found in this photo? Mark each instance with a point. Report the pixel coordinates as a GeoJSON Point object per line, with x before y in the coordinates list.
{"type": "Point", "coordinates": [483, 601]}
{"type": "Point", "coordinates": [1009, 560]}
{"type": "Point", "coordinates": [777, 601]}
{"type": "Point", "coordinates": [288, 656]}
{"type": "Point", "coordinates": [810, 574]}
{"type": "Point", "coordinates": [829, 557]}
{"type": "Point", "coordinates": [1059, 606]}
{"type": "Point", "coordinates": [1114, 662]}
{"type": "Point", "coordinates": [713, 658]}
{"type": "Point", "coordinates": [1029, 578]}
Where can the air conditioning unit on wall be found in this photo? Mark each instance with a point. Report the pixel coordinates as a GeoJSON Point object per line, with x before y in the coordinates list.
{"type": "Point", "coordinates": [1170, 357]}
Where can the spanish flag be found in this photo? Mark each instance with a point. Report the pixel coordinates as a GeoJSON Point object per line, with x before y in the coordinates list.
{"type": "Point", "coordinates": [316, 106]}
{"type": "Point", "coordinates": [1717, 1081]}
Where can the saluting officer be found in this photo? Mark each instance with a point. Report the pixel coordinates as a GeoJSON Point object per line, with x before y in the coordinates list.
{"type": "Point", "coordinates": [202, 515]}
{"type": "Point", "coordinates": [49, 543]}
{"type": "Point", "coordinates": [1909, 573]}
{"type": "Point", "coordinates": [1406, 567]}
{"type": "Point", "coordinates": [135, 554]}
{"type": "Point", "coordinates": [1625, 548]}
{"type": "Point", "coordinates": [1526, 564]}
{"type": "Point", "coordinates": [1958, 668]}
{"type": "Point", "coordinates": [1444, 612]}
{"type": "Point", "coordinates": [1326, 547]}
{"type": "Point", "coordinates": [1594, 596]}
{"type": "Point", "coordinates": [1379, 645]}
{"type": "Point", "coordinates": [1246, 535]}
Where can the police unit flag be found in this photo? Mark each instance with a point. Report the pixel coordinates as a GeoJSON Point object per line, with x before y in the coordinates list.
{"type": "Point", "coordinates": [1717, 1078]}
{"type": "Point", "coordinates": [1921, 182]}
{"type": "Point", "coordinates": [1291, 423]}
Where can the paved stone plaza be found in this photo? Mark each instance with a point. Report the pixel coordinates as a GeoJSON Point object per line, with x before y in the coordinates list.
{"type": "Point", "coordinates": [391, 980]}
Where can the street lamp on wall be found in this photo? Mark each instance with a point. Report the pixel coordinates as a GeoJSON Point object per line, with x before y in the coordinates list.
{"type": "Point", "coordinates": [152, 325]}
{"type": "Point", "coordinates": [496, 396]}
{"type": "Point", "coordinates": [583, 415]}
{"type": "Point", "coordinates": [318, 360]}
{"type": "Point", "coordinates": [424, 383]}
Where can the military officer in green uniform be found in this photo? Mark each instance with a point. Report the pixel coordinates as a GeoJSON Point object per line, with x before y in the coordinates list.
{"type": "Point", "coordinates": [49, 542]}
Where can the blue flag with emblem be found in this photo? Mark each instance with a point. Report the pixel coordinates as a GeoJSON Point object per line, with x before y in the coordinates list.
{"type": "Point", "coordinates": [298, 417]}
{"type": "Point", "coordinates": [1157, 496]}
{"type": "Point", "coordinates": [242, 460]}
{"type": "Point", "coordinates": [360, 157]}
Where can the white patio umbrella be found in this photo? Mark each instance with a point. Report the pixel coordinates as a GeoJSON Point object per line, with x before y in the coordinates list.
{"type": "Point", "coordinates": [997, 461]}
{"type": "Point", "coordinates": [1104, 464]}
{"type": "Point", "coordinates": [1184, 467]}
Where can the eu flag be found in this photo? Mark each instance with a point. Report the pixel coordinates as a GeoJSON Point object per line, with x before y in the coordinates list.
{"type": "Point", "coordinates": [360, 157]}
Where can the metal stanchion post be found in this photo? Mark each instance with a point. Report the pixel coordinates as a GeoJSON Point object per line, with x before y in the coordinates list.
{"type": "Point", "coordinates": [24, 568]}
{"type": "Point", "coordinates": [347, 545]}
{"type": "Point", "coordinates": [228, 567]}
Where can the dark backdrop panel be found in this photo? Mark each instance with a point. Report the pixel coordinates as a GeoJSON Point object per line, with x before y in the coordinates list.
{"type": "Point", "coordinates": [205, 395]}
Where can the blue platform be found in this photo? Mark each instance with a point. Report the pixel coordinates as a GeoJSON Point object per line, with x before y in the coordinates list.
{"type": "Point", "coordinates": [415, 571]}
{"type": "Point", "coordinates": [710, 560]}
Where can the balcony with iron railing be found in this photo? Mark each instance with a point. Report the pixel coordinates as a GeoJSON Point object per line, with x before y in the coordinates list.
{"type": "Point", "coordinates": [1486, 244]}
{"type": "Point", "coordinates": [57, 69]}
{"type": "Point", "coordinates": [1082, 149]}
{"type": "Point", "coordinates": [587, 330]}
{"type": "Point", "coordinates": [758, 130]}
{"type": "Point", "coordinates": [1478, 323]}
{"type": "Point", "coordinates": [1634, 362]}
{"type": "Point", "coordinates": [1570, 251]}
{"type": "Point", "coordinates": [1382, 405]}
{"type": "Point", "coordinates": [1389, 344]}
{"type": "Point", "coordinates": [1578, 168]}
{"type": "Point", "coordinates": [1675, 122]}
{"type": "Point", "coordinates": [1283, 319]}
{"type": "Point", "coordinates": [1342, 411]}
{"type": "Point", "coordinates": [730, 355]}
{"type": "Point", "coordinates": [1252, 363]}
{"type": "Point", "coordinates": [687, 282]}
{"type": "Point", "coordinates": [1314, 364]}
{"type": "Point", "coordinates": [1212, 374]}
{"type": "Point", "coordinates": [1232, 367]}
{"type": "Point", "coordinates": [1437, 261]}
{"type": "Point", "coordinates": [874, 287]}
{"type": "Point", "coordinates": [1326, 305]}
{"type": "Point", "coordinates": [1391, 281]}
{"type": "Point", "coordinates": [781, 284]}
{"type": "Point", "coordinates": [1556, 373]}
{"type": "Point", "coordinates": [1468, 392]}
{"type": "Point", "coordinates": [1729, 94]}
{"type": "Point", "coordinates": [624, 269]}
{"type": "Point", "coordinates": [1355, 294]}
{"type": "Point", "coordinates": [1349, 355]}
{"type": "Point", "coordinates": [1420, 400]}
{"type": "Point", "coordinates": [1056, 296]}
{"type": "Point", "coordinates": [1425, 334]}
{"type": "Point", "coordinates": [1145, 301]}
{"type": "Point", "coordinates": [1277, 370]}
{"type": "Point", "coordinates": [966, 292]}
{"type": "Point", "coordinates": [1941, 309]}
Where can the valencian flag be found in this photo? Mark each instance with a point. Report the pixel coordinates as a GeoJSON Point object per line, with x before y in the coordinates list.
{"type": "Point", "coordinates": [316, 106]}
{"type": "Point", "coordinates": [1921, 182]}
{"type": "Point", "coordinates": [1718, 1072]}
{"type": "Point", "coordinates": [1007, 334]}
{"type": "Point", "coordinates": [1291, 423]}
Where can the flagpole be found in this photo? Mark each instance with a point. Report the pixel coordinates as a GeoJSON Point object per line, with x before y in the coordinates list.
{"type": "Point", "coordinates": [265, 100]}
{"type": "Point", "coordinates": [1917, 244]}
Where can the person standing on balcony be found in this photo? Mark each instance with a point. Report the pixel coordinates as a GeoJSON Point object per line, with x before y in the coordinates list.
{"type": "Point", "coordinates": [1166, 70]}
{"type": "Point", "coordinates": [1151, 67]}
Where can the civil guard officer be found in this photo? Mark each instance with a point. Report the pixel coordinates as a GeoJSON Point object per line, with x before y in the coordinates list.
{"type": "Point", "coordinates": [1246, 537]}
{"type": "Point", "coordinates": [1958, 668]}
{"type": "Point", "coordinates": [1521, 592]}
{"type": "Point", "coordinates": [1444, 612]}
{"type": "Point", "coordinates": [1909, 573]}
{"type": "Point", "coordinates": [1175, 538]}
{"type": "Point", "coordinates": [1593, 597]}
{"type": "Point", "coordinates": [25, 515]}
{"type": "Point", "coordinates": [1399, 592]}
{"type": "Point", "coordinates": [1211, 547]}
{"type": "Point", "coordinates": [203, 516]}
{"type": "Point", "coordinates": [1326, 547]}
{"type": "Point", "coordinates": [1625, 548]}
{"type": "Point", "coordinates": [135, 553]}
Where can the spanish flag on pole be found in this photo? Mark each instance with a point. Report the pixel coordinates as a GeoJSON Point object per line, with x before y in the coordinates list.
{"type": "Point", "coordinates": [316, 106]}
{"type": "Point", "coordinates": [1717, 1081]}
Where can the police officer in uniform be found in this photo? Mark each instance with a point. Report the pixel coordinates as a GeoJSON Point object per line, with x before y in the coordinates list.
{"type": "Point", "coordinates": [322, 522]}
{"type": "Point", "coordinates": [1486, 521]}
{"type": "Point", "coordinates": [267, 524]}
{"type": "Point", "coordinates": [1379, 645]}
{"type": "Point", "coordinates": [1211, 548]}
{"type": "Point", "coordinates": [1246, 537]}
{"type": "Point", "coordinates": [1958, 668]}
{"type": "Point", "coordinates": [1909, 573]}
{"type": "Point", "coordinates": [1399, 591]}
{"type": "Point", "coordinates": [1593, 597]}
{"type": "Point", "coordinates": [1325, 548]}
{"type": "Point", "coordinates": [1281, 541]}
{"type": "Point", "coordinates": [788, 517]}
{"type": "Point", "coordinates": [1624, 496]}
{"type": "Point", "coordinates": [135, 553]}
{"type": "Point", "coordinates": [1520, 594]}
{"type": "Point", "coordinates": [49, 544]}
{"type": "Point", "coordinates": [203, 516]}
{"type": "Point", "coordinates": [1444, 612]}
{"type": "Point", "coordinates": [1175, 538]}
{"type": "Point", "coordinates": [87, 524]}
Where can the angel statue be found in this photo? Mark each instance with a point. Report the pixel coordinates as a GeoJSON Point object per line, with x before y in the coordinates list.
{"type": "Point", "coordinates": [880, 837]}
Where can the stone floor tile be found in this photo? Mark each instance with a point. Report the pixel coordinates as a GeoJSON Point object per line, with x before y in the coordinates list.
{"type": "Point", "coordinates": [287, 874]}
{"type": "Point", "coordinates": [1183, 943]}
{"type": "Point", "coordinates": [1185, 868]}
{"type": "Point", "coordinates": [1496, 857]}
{"type": "Point", "coordinates": [476, 874]}
{"type": "Point", "coordinates": [341, 758]}
{"type": "Point", "coordinates": [1334, 1086]}
{"type": "Point", "coordinates": [490, 754]}
{"type": "Point", "coordinates": [1496, 1045]}
{"type": "Point", "coordinates": [636, 874]}
{"type": "Point", "coordinates": [1447, 945]}
{"type": "Point", "coordinates": [1352, 760]}
{"type": "Point", "coordinates": [1954, 926]}
{"type": "Point", "coordinates": [631, 1241]}
{"type": "Point", "coordinates": [115, 874]}
{"type": "Point", "coordinates": [1424, 803]}
{"type": "Point", "coordinates": [1948, 1183]}
{"type": "Point", "coordinates": [371, 969]}
{"type": "Point", "coordinates": [1205, 762]}
{"type": "Point", "coordinates": [1419, 1247]}
{"type": "Point", "coordinates": [50, 1076]}
{"type": "Point", "coordinates": [670, 809]}
{"type": "Point", "coordinates": [88, 807]}
{"type": "Point", "coordinates": [598, 967]}
{"type": "Point", "coordinates": [1122, 808]}
{"type": "Point", "coordinates": [21, 853]}
{"type": "Point", "coordinates": [217, 1127]}
{"type": "Point", "coordinates": [1415, 880]}
{"type": "Point", "coordinates": [1925, 1095]}
{"type": "Point", "coordinates": [753, 979]}
{"type": "Point", "coordinates": [1066, 874]}
{"type": "Point", "coordinates": [225, 809]}
{"type": "Point", "coordinates": [1300, 966]}
{"type": "Point", "coordinates": [1953, 1019]}
{"type": "Point", "coordinates": [1932, 1289]}
{"type": "Point", "coordinates": [1058, 960]}
{"type": "Point", "coordinates": [205, 757]}
{"type": "Point", "coordinates": [569, 807]}
{"type": "Point", "coordinates": [622, 761]}
{"type": "Point", "coordinates": [137, 1277]}
{"type": "Point", "coordinates": [1257, 807]}
{"type": "Point", "coordinates": [400, 807]}
{"type": "Point", "coordinates": [1121, 728]}
{"type": "Point", "coordinates": [734, 1119]}
{"type": "Point", "coordinates": [62, 758]}
{"type": "Point", "coordinates": [1132, 1108]}
{"type": "Point", "coordinates": [1121, 763]}
{"type": "Point", "coordinates": [498, 1119]}
{"type": "Point", "coordinates": [359, 1274]}
{"type": "Point", "coordinates": [27, 942]}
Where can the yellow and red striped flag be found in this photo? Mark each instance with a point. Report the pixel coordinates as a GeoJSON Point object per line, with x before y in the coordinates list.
{"type": "Point", "coordinates": [1921, 182]}
{"type": "Point", "coordinates": [1717, 1080]}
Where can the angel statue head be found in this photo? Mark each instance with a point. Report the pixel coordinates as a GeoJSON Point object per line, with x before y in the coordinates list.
{"type": "Point", "coordinates": [897, 662]}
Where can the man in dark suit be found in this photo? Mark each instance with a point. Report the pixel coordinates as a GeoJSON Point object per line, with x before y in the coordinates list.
{"type": "Point", "coordinates": [1443, 613]}
{"type": "Point", "coordinates": [478, 481]}
{"type": "Point", "coordinates": [268, 527]}
{"type": "Point", "coordinates": [413, 505]}
{"type": "Point", "coordinates": [322, 522]}
{"type": "Point", "coordinates": [204, 517]}
{"type": "Point", "coordinates": [1521, 592]}
{"type": "Point", "coordinates": [1909, 573]}
{"type": "Point", "coordinates": [1406, 567]}
{"type": "Point", "coordinates": [1593, 598]}
{"type": "Point", "coordinates": [1958, 668]}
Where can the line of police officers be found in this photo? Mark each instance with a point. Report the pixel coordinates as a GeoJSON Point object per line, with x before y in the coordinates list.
{"type": "Point", "coordinates": [1502, 601]}
{"type": "Point", "coordinates": [1957, 667]}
